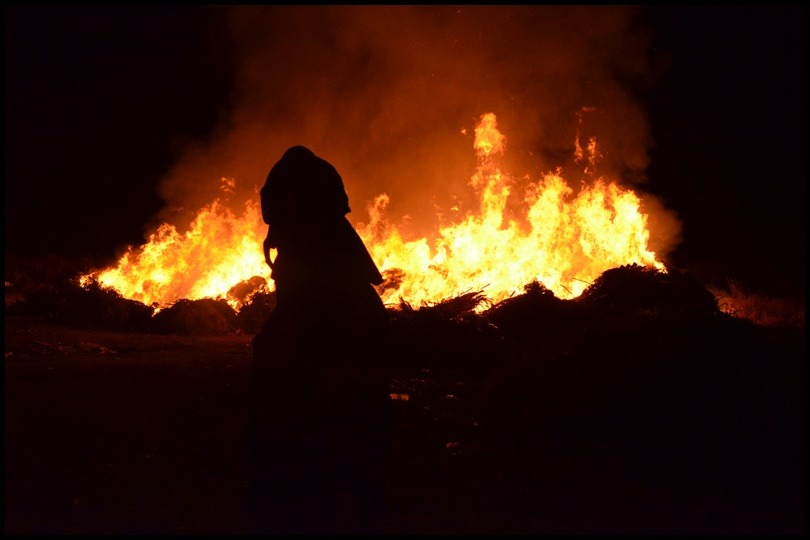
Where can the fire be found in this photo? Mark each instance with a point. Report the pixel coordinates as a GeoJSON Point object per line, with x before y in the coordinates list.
{"type": "Point", "coordinates": [564, 240]}
{"type": "Point", "coordinates": [218, 251]}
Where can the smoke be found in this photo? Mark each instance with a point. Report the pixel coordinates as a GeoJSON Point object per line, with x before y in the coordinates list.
{"type": "Point", "coordinates": [390, 94]}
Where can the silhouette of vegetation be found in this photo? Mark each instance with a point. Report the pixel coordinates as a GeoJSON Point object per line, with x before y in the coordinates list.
{"type": "Point", "coordinates": [203, 317]}
{"type": "Point", "coordinates": [634, 289]}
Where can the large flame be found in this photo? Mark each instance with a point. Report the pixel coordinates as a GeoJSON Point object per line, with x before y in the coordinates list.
{"type": "Point", "coordinates": [563, 240]}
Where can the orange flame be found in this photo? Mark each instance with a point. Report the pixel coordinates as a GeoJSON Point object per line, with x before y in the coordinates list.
{"type": "Point", "coordinates": [564, 240]}
{"type": "Point", "coordinates": [218, 251]}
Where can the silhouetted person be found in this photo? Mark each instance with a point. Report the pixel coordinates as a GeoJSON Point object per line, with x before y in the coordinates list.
{"type": "Point", "coordinates": [319, 424]}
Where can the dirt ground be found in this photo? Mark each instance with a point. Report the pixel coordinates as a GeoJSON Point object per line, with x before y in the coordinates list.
{"type": "Point", "coordinates": [120, 433]}
{"type": "Point", "coordinates": [124, 433]}
{"type": "Point", "coordinates": [112, 433]}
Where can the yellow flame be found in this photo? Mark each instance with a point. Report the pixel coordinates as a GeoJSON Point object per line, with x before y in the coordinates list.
{"type": "Point", "coordinates": [218, 251]}
{"type": "Point", "coordinates": [564, 240]}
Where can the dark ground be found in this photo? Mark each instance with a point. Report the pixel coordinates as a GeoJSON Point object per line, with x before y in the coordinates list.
{"type": "Point", "coordinates": [638, 424]}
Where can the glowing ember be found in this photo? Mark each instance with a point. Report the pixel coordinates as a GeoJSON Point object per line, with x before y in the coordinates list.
{"type": "Point", "coordinates": [564, 240]}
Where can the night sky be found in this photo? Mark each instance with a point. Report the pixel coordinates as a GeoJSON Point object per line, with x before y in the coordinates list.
{"type": "Point", "coordinates": [115, 116]}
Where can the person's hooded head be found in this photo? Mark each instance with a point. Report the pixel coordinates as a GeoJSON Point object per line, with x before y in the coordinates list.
{"type": "Point", "coordinates": [305, 205]}
{"type": "Point", "coordinates": [302, 190]}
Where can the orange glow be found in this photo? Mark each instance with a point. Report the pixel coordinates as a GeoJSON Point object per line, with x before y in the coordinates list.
{"type": "Point", "coordinates": [564, 240]}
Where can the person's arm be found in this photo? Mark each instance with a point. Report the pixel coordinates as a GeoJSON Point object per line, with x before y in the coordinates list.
{"type": "Point", "coordinates": [266, 249]}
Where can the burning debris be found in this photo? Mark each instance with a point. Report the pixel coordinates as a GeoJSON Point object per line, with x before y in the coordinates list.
{"type": "Point", "coordinates": [547, 231]}
{"type": "Point", "coordinates": [590, 244]}
{"type": "Point", "coordinates": [536, 315]}
{"type": "Point", "coordinates": [218, 256]}
{"type": "Point", "coordinates": [243, 292]}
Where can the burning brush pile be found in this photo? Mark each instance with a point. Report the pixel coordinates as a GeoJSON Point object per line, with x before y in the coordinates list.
{"type": "Point", "coordinates": [48, 288]}
{"type": "Point", "coordinates": [582, 254]}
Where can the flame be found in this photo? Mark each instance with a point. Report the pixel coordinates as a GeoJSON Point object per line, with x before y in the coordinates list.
{"type": "Point", "coordinates": [564, 240]}
{"type": "Point", "coordinates": [218, 251]}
